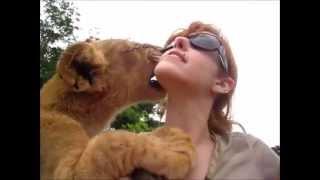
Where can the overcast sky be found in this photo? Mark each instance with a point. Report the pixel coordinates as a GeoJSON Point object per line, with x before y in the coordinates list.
{"type": "Point", "coordinates": [252, 28]}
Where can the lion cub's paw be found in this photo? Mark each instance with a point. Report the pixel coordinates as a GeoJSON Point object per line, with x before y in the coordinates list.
{"type": "Point", "coordinates": [168, 152]}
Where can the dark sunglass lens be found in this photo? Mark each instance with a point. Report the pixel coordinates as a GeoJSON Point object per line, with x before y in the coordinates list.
{"type": "Point", "coordinates": [209, 43]}
{"type": "Point", "coordinates": [205, 42]}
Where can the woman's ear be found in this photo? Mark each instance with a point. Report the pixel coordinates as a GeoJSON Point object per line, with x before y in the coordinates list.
{"type": "Point", "coordinates": [223, 85]}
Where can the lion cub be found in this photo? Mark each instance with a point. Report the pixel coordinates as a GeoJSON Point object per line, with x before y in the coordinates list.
{"type": "Point", "coordinates": [94, 81]}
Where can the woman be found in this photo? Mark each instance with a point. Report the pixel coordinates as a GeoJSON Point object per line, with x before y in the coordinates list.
{"type": "Point", "coordinates": [199, 73]}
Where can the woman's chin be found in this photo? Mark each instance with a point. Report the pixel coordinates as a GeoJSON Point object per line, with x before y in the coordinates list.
{"type": "Point", "coordinates": [171, 79]}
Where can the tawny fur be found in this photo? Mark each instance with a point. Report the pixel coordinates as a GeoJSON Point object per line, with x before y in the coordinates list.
{"type": "Point", "coordinates": [94, 81]}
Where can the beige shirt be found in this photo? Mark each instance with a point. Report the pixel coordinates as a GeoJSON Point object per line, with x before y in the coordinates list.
{"type": "Point", "coordinates": [243, 157]}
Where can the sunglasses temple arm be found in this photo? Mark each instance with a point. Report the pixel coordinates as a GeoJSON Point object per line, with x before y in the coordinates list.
{"type": "Point", "coordinates": [167, 48]}
{"type": "Point", "coordinates": [223, 58]}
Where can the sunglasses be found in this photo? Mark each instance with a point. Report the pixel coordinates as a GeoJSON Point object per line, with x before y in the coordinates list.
{"type": "Point", "coordinates": [206, 42]}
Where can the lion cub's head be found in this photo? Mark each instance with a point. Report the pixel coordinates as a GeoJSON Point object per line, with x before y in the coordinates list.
{"type": "Point", "coordinates": [110, 66]}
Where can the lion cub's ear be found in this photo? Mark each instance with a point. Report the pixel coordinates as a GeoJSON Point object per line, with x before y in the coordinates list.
{"type": "Point", "coordinates": [82, 67]}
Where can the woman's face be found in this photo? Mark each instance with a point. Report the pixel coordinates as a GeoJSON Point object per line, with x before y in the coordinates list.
{"type": "Point", "coordinates": [184, 68]}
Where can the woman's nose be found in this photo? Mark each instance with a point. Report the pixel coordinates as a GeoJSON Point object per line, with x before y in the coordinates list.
{"type": "Point", "coordinates": [181, 43]}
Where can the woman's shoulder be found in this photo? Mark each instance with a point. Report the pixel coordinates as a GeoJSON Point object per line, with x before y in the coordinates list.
{"type": "Point", "coordinates": [240, 139]}
{"type": "Point", "coordinates": [240, 153]}
{"type": "Point", "coordinates": [247, 140]}
{"type": "Point", "coordinates": [238, 142]}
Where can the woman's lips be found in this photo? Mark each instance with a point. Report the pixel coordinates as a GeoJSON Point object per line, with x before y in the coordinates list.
{"type": "Point", "coordinates": [178, 55]}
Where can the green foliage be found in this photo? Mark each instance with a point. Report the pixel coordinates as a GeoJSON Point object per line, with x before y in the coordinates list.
{"type": "Point", "coordinates": [139, 126]}
{"type": "Point", "coordinates": [137, 119]}
{"type": "Point", "coordinates": [57, 25]}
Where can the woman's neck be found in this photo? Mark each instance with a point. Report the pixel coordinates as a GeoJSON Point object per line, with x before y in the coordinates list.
{"type": "Point", "coordinates": [190, 113]}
